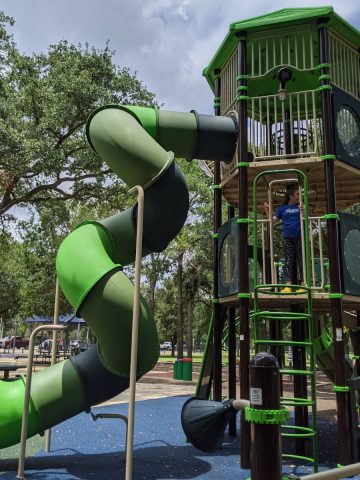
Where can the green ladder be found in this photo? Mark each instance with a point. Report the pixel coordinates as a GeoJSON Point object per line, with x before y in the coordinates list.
{"type": "Point", "coordinates": [268, 317]}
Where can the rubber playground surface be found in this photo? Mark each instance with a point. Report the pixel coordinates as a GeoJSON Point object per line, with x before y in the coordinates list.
{"type": "Point", "coordinates": [85, 449]}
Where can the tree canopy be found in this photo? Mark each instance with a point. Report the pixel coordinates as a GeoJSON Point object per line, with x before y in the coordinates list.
{"type": "Point", "coordinates": [44, 103]}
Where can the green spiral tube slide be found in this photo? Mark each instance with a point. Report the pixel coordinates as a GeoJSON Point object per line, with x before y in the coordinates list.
{"type": "Point", "coordinates": [138, 144]}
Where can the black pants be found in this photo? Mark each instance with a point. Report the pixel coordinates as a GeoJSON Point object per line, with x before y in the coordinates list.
{"type": "Point", "coordinates": [293, 260]}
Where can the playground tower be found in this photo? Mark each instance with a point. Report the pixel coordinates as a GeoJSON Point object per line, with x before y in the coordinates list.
{"type": "Point", "coordinates": [292, 79]}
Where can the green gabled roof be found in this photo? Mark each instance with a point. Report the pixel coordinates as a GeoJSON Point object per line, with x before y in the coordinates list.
{"type": "Point", "coordinates": [281, 18]}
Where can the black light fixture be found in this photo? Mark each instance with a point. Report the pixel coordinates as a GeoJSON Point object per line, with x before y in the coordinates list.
{"type": "Point", "coordinates": [284, 76]}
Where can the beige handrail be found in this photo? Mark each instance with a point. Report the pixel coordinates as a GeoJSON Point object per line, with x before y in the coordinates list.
{"type": "Point", "coordinates": [335, 474]}
{"type": "Point", "coordinates": [135, 331]}
{"type": "Point", "coordinates": [24, 424]}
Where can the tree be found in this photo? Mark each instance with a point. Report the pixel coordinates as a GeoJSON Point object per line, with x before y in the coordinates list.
{"type": "Point", "coordinates": [166, 313]}
{"type": "Point", "coordinates": [44, 103]}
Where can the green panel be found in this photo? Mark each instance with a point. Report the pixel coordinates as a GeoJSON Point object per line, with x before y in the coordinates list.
{"type": "Point", "coordinates": [177, 132]}
{"type": "Point", "coordinates": [112, 299]}
{"type": "Point", "coordinates": [146, 117]}
{"type": "Point", "coordinates": [126, 147]}
{"type": "Point", "coordinates": [83, 258]}
{"type": "Point", "coordinates": [57, 393]}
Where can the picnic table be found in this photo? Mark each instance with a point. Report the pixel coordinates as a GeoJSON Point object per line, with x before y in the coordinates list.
{"type": "Point", "coordinates": [8, 367]}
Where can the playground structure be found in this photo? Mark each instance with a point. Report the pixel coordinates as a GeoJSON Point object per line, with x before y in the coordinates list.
{"type": "Point", "coordinates": [291, 78]}
{"type": "Point", "coordinates": [287, 104]}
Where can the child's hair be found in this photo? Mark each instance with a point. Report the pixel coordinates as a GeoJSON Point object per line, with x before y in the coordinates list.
{"type": "Point", "coordinates": [290, 190]}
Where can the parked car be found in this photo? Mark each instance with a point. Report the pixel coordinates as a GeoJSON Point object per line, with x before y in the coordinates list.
{"type": "Point", "coordinates": [77, 346]}
{"type": "Point", "coordinates": [47, 344]}
{"type": "Point", "coordinates": [166, 346]}
{"type": "Point", "coordinates": [19, 342]}
{"type": "Point", "coordinates": [3, 342]}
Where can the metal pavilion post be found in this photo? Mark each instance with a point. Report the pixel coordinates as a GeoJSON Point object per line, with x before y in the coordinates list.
{"type": "Point", "coordinates": [243, 266]}
{"type": "Point", "coordinates": [340, 386]}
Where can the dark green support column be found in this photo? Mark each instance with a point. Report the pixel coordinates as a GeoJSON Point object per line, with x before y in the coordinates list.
{"type": "Point", "coordinates": [243, 266]}
{"type": "Point", "coordinates": [231, 318]}
{"type": "Point", "coordinates": [217, 390]}
{"type": "Point", "coordinates": [342, 400]}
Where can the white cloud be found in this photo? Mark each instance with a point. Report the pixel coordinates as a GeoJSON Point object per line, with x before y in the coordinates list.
{"type": "Point", "coordinates": [168, 42]}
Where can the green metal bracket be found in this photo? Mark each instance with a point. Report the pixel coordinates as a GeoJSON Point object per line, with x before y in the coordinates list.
{"type": "Point", "coordinates": [341, 389]}
{"type": "Point", "coordinates": [216, 186]}
{"type": "Point", "coordinates": [243, 295]}
{"type": "Point", "coordinates": [324, 87]}
{"type": "Point", "coordinates": [323, 65]}
{"type": "Point", "coordinates": [242, 164]}
{"type": "Point", "coordinates": [244, 220]}
{"type": "Point", "coordinates": [325, 76]}
{"type": "Point", "coordinates": [242, 97]}
{"type": "Point", "coordinates": [243, 77]}
{"type": "Point", "coordinates": [216, 101]}
{"type": "Point", "coordinates": [335, 295]}
{"type": "Point", "coordinates": [215, 235]}
{"type": "Point", "coordinates": [330, 216]}
{"type": "Point", "coordinates": [328, 157]}
{"type": "Point", "coordinates": [215, 300]}
{"type": "Point", "coordinates": [266, 417]}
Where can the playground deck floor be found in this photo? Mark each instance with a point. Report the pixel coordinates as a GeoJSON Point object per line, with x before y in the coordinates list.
{"type": "Point", "coordinates": [84, 449]}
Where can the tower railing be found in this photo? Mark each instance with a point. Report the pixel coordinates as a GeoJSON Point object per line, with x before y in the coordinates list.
{"type": "Point", "coordinates": [344, 64]}
{"type": "Point", "coordinates": [269, 114]}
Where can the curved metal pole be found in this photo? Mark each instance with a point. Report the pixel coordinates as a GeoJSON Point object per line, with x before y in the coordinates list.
{"type": "Point", "coordinates": [135, 331]}
{"type": "Point", "coordinates": [53, 351]}
{"type": "Point", "coordinates": [335, 474]}
{"type": "Point", "coordinates": [24, 424]}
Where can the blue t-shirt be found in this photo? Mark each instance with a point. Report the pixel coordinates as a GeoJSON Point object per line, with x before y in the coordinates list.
{"type": "Point", "coordinates": [290, 216]}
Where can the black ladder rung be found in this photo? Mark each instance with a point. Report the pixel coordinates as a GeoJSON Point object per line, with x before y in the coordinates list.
{"type": "Point", "coordinates": [289, 371]}
{"type": "Point", "coordinates": [275, 315]}
{"type": "Point", "coordinates": [297, 402]}
{"type": "Point", "coordinates": [285, 343]}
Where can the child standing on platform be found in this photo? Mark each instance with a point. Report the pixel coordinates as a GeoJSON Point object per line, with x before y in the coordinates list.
{"type": "Point", "coordinates": [289, 214]}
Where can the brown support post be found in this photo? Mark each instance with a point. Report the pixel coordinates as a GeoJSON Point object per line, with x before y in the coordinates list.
{"type": "Point", "coordinates": [243, 267]}
{"type": "Point", "coordinates": [217, 334]}
{"type": "Point", "coordinates": [232, 351]}
{"type": "Point", "coordinates": [265, 435]}
{"type": "Point", "coordinates": [333, 250]}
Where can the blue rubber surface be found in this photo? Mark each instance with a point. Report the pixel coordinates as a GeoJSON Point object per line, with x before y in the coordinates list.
{"type": "Point", "coordinates": [84, 449]}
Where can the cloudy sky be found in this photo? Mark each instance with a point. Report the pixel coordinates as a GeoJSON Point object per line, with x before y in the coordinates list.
{"type": "Point", "coordinates": [167, 42]}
